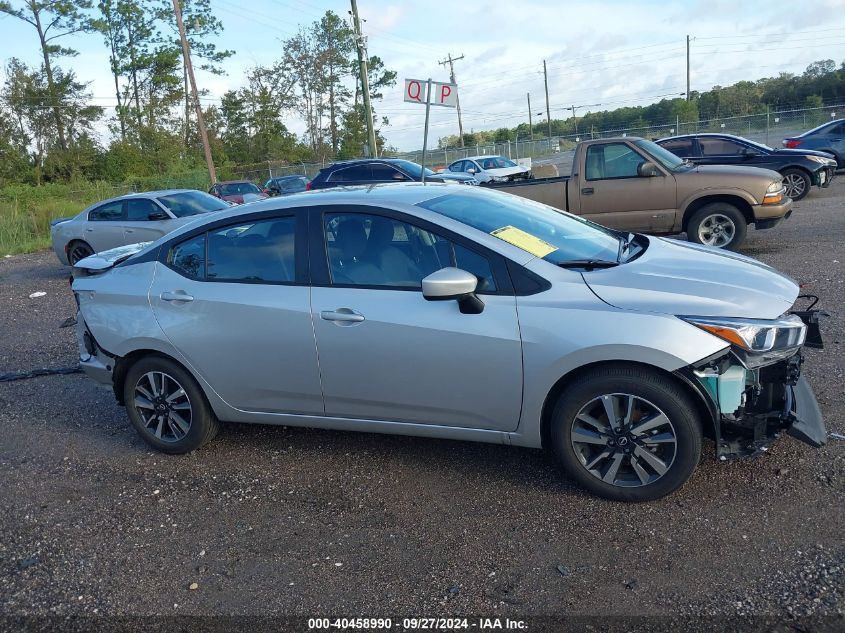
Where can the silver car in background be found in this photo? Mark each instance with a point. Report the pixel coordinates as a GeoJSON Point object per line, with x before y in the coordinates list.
{"type": "Point", "coordinates": [129, 219]}
{"type": "Point", "coordinates": [452, 312]}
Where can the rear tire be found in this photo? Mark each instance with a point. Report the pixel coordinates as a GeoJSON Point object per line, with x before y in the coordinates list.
{"type": "Point", "coordinates": [167, 406]}
{"type": "Point", "coordinates": [718, 224]}
{"type": "Point", "coordinates": [640, 456]}
{"type": "Point", "coordinates": [77, 251]}
{"type": "Point", "coordinates": [797, 183]}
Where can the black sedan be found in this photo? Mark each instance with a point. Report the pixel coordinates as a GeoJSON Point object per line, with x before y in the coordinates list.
{"type": "Point", "coordinates": [801, 169]}
{"type": "Point", "coordinates": [370, 171]}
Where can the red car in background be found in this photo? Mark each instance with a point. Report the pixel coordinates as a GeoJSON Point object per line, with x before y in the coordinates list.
{"type": "Point", "coordinates": [237, 191]}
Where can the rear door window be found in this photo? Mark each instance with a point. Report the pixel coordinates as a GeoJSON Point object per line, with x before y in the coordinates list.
{"type": "Point", "coordinates": [109, 212]}
{"type": "Point", "coordinates": [720, 147]}
{"type": "Point", "coordinates": [355, 173]}
{"type": "Point", "coordinates": [679, 147]}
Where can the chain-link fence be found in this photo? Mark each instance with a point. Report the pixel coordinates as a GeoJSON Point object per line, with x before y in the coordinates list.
{"type": "Point", "coordinates": [765, 127]}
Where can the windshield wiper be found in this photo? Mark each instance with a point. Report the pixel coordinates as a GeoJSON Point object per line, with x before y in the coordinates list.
{"type": "Point", "coordinates": [589, 264]}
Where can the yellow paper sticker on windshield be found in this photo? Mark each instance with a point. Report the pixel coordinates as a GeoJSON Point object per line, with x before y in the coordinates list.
{"type": "Point", "coordinates": [523, 240]}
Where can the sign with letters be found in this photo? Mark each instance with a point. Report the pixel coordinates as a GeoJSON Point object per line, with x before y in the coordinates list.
{"type": "Point", "coordinates": [442, 94]}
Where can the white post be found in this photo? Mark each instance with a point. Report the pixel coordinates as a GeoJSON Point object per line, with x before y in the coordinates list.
{"type": "Point", "coordinates": [425, 133]}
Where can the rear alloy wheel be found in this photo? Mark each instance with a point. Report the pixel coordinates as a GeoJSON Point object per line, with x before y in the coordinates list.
{"type": "Point", "coordinates": [797, 183]}
{"type": "Point", "coordinates": [718, 224]}
{"type": "Point", "coordinates": [78, 251]}
{"type": "Point", "coordinates": [627, 433]}
{"type": "Point", "coordinates": [167, 406]}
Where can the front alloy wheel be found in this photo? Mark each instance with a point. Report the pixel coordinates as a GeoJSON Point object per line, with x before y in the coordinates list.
{"type": "Point", "coordinates": [624, 440]}
{"type": "Point", "coordinates": [79, 251]}
{"type": "Point", "coordinates": [716, 230]}
{"type": "Point", "coordinates": [626, 432]}
{"type": "Point", "coordinates": [796, 183]}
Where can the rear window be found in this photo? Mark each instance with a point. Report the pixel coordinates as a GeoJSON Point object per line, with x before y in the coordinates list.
{"type": "Point", "coordinates": [238, 188]}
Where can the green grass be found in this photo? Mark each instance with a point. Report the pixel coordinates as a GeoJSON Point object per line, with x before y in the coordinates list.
{"type": "Point", "coordinates": [26, 211]}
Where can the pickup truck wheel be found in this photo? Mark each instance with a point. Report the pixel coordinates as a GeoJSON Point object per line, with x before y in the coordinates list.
{"type": "Point", "coordinates": [797, 183]}
{"type": "Point", "coordinates": [718, 224]}
{"type": "Point", "coordinates": [626, 433]}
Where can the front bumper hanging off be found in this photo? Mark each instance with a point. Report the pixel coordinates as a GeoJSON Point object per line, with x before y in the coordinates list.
{"type": "Point", "coordinates": [777, 398]}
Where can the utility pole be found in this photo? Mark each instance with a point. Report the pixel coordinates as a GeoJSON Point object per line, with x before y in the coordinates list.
{"type": "Point", "coordinates": [186, 52]}
{"type": "Point", "coordinates": [451, 61]}
{"type": "Point", "coordinates": [530, 124]}
{"type": "Point", "coordinates": [361, 43]}
{"type": "Point", "coordinates": [687, 67]}
{"type": "Point", "coordinates": [548, 109]}
{"type": "Point", "coordinates": [575, 118]}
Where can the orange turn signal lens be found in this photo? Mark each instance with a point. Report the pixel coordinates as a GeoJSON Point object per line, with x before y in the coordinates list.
{"type": "Point", "coordinates": [728, 334]}
{"type": "Point", "coordinates": [773, 198]}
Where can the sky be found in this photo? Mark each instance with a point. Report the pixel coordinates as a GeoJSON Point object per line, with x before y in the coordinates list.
{"type": "Point", "coordinates": [600, 54]}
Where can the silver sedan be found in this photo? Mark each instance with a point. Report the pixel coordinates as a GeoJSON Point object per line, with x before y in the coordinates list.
{"type": "Point", "coordinates": [129, 219]}
{"type": "Point", "coordinates": [456, 313]}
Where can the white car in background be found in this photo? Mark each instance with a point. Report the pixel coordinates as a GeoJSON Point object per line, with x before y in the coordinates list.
{"type": "Point", "coordinates": [490, 168]}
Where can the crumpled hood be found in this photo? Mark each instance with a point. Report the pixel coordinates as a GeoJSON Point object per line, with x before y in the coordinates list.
{"type": "Point", "coordinates": [674, 277]}
{"type": "Point", "coordinates": [106, 259]}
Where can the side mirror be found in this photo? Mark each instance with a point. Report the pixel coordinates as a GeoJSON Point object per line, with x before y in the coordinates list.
{"type": "Point", "coordinates": [453, 284]}
{"type": "Point", "coordinates": [648, 170]}
{"type": "Point", "coordinates": [158, 215]}
{"type": "Point", "coordinates": [749, 153]}
{"type": "Point", "coordinates": [472, 170]}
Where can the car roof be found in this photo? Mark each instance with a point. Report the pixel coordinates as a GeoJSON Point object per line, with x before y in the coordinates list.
{"type": "Point", "coordinates": [483, 156]}
{"type": "Point", "coordinates": [289, 177]}
{"type": "Point", "coordinates": [702, 134]}
{"type": "Point", "coordinates": [363, 161]}
{"type": "Point", "coordinates": [235, 182]}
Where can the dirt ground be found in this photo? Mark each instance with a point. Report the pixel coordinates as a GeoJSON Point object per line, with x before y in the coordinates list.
{"type": "Point", "coordinates": [284, 521]}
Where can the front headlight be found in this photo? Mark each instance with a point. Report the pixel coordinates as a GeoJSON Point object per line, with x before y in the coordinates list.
{"type": "Point", "coordinates": [818, 159]}
{"type": "Point", "coordinates": [775, 187]}
{"type": "Point", "coordinates": [757, 342]}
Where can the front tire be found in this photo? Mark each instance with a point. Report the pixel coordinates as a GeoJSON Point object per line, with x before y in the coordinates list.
{"type": "Point", "coordinates": [718, 224]}
{"type": "Point", "coordinates": [167, 406]}
{"type": "Point", "coordinates": [797, 183]}
{"type": "Point", "coordinates": [626, 433]}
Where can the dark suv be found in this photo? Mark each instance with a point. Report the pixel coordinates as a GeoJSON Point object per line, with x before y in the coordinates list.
{"type": "Point", "coordinates": [379, 170]}
{"type": "Point", "coordinates": [801, 169]}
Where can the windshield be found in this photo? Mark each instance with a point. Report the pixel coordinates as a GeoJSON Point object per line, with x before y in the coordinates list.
{"type": "Point", "coordinates": [661, 154]}
{"type": "Point", "coordinates": [412, 168]}
{"type": "Point", "coordinates": [239, 188]}
{"type": "Point", "coordinates": [291, 184]}
{"type": "Point", "coordinates": [495, 162]}
{"type": "Point", "coordinates": [536, 228]}
{"type": "Point", "coordinates": [192, 203]}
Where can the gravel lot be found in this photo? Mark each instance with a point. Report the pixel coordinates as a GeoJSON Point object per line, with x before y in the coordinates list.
{"type": "Point", "coordinates": [275, 521]}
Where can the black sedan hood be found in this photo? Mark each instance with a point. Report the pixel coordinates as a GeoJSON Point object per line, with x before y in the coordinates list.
{"type": "Point", "coordinates": [800, 152]}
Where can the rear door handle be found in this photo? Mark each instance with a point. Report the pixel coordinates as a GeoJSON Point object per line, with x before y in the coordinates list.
{"type": "Point", "coordinates": [342, 316]}
{"type": "Point", "coordinates": [178, 295]}
{"type": "Point", "coordinates": [587, 191]}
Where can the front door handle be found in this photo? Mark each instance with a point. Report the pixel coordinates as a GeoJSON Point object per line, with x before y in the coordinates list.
{"type": "Point", "coordinates": [587, 191]}
{"type": "Point", "coordinates": [342, 316]}
{"type": "Point", "coordinates": [177, 295]}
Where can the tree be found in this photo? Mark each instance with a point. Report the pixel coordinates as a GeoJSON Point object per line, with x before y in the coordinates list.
{"type": "Point", "coordinates": [201, 26]}
{"type": "Point", "coordinates": [53, 20]}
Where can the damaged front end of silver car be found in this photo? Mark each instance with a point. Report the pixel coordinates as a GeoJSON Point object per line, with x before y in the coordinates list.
{"type": "Point", "coordinates": [755, 391]}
